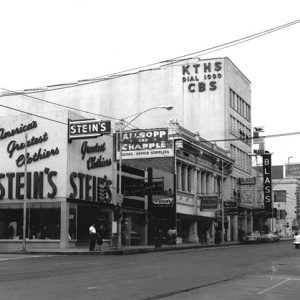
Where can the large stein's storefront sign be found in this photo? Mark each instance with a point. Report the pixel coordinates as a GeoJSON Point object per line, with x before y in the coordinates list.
{"type": "Point", "coordinates": [90, 188]}
{"type": "Point", "coordinates": [146, 143]}
{"type": "Point", "coordinates": [202, 77]}
{"type": "Point", "coordinates": [12, 185]}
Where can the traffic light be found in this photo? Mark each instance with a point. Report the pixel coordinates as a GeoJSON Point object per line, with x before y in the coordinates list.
{"type": "Point", "coordinates": [117, 212]}
{"type": "Point", "coordinates": [274, 212]}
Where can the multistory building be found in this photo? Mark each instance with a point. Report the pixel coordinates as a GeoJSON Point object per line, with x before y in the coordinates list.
{"type": "Point", "coordinates": [210, 96]}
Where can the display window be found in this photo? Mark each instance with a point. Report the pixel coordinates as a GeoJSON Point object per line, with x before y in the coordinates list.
{"type": "Point", "coordinates": [42, 221]}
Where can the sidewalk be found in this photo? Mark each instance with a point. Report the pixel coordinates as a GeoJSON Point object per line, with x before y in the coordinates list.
{"type": "Point", "coordinates": [127, 250]}
{"type": "Point", "coordinates": [124, 251]}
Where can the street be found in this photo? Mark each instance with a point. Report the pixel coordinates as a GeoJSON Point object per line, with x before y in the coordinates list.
{"type": "Point", "coordinates": [237, 272]}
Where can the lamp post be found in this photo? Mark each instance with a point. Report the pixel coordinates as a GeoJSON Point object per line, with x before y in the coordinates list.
{"type": "Point", "coordinates": [120, 141]}
{"type": "Point", "coordinates": [222, 203]}
{"type": "Point", "coordinates": [25, 197]}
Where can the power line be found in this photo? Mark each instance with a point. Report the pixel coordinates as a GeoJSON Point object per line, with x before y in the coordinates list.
{"type": "Point", "coordinates": [235, 42]}
{"type": "Point", "coordinates": [202, 141]}
{"type": "Point", "coordinates": [32, 114]}
{"type": "Point", "coordinates": [170, 61]}
{"type": "Point", "coordinates": [57, 104]}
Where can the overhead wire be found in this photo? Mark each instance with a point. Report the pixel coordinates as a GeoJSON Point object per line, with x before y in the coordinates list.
{"type": "Point", "coordinates": [202, 141]}
{"type": "Point", "coordinates": [58, 104]}
{"type": "Point", "coordinates": [172, 60]}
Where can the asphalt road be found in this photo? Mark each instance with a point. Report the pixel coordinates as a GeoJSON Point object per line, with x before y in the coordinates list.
{"type": "Point", "coordinates": [266, 271]}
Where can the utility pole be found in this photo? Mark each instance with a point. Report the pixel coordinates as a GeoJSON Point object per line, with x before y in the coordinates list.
{"type": "Point", "coordinates": [25, 197]}
{"type": "Point", "coordinates": [119, 202]}
{"type": "Point", "coordinates": [222, 202]}
{"type": "Point", "coordinates": [119, 197]}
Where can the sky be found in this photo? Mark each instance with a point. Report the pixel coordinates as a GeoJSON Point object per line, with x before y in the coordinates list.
{"type": "Point", "coordinates": [51, 42]}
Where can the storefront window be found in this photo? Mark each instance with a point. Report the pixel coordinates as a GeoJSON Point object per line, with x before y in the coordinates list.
{"type": "Point", "coordinates": [73, 222]}
{"type": "Point", "coordinates": [42, 221]}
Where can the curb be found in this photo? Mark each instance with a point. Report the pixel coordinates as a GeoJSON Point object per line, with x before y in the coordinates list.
{"type": "Point", "coordinates": [120, 251]}
{"type": "Point", "coordinates": [130, 251]}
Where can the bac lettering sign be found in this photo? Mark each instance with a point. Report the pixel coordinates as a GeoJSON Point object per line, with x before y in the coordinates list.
{"type": "Point", "coordinates": [267, 164]}
{"type": "Point", "coordinates": [83, 129]}
{"type": "Point", "coordinates": [247, 180]}
{"type": "Point", "coordinates": [209, 203]}
{"type": "Point", "coordinates": [292, 170]}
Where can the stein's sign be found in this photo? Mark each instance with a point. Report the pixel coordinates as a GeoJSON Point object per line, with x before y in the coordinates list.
{"type": "Point", "coordinates": [82, 129]}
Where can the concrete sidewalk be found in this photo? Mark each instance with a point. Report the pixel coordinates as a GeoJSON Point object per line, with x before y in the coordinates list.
{"type": "Point", "coordinates": [83, 250]}
{"type": "Point", "coordinates": [124, 251]}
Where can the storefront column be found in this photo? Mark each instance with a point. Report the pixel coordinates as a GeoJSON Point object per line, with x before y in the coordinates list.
{"type": "Point", "coordinates": [203, 188]}
{"type": "Point", "coordinates": [213, 232]}
{"type": "Point", "coordinates": [208, 183]}
{"type": "Point", "coordinates": [212, 183]}
{"type": "Point", "coordinates": [251, 220]}
{"type": "Point", "coordinates": [194, 187]}
{"type": "Point", "coordinates": [229, 229]}
{"type": "Point", "coordinates": [235, 228]}
{"type": "Point", "coordinates": [179, 177]}
{"type": "Point", "coordinates": [185, 178]}
{"type": "Point", "coordinates": [199, 182]}
{"type": "Point", "coordinates": [64, 225]}
{"type": "Point", "coordinates": [245, 222]}
{"type": "Point", "coordinates": [215, 183]}
{"type": "Point", "coordinates": [193, 232]}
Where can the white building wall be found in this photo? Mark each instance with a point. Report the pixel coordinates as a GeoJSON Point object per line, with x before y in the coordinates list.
{"type": "Point", "coordinates": [290, 185]}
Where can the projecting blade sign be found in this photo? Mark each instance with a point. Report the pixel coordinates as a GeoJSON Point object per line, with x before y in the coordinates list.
{"type": "Point", "coordinates": [82, 129]}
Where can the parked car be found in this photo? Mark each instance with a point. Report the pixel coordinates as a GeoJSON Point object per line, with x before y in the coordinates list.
{"type": "Point", "coordinates": [296, 241]}
{"type": "Point", "coordinates": [254, 237]}
{"type": "Point", "coordinates": [270, 237]}
{"type": "Point", "coordinates": [275, 236]}
{"type": "Point", "coordinates": [266, 238]}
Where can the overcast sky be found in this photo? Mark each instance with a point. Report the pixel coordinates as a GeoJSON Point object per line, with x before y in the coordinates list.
{"type": "Point", "coordinates": [50, 42]}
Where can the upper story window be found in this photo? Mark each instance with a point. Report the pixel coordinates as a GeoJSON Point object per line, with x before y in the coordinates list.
{"type": "Point", "coordinates": [240, 130]}
{"type": "Point", "coordinates": [238, 104]}
{"type": "Point", "coordinates": [242, 159]}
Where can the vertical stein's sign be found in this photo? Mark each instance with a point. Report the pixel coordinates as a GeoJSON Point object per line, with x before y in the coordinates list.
{"type": "Point", "coordinates": [267, 181]}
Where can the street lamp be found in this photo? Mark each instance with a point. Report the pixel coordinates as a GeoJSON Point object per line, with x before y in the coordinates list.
{"type": "Point", "coordinates": [120, 142]}
{"type": "Point", "coordinates": [25, 196]}
{"type": "Point", "coordinates": [167, 107]}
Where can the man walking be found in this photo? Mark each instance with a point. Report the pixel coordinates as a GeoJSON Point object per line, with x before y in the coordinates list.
{"type": "Point", "coordinates": [93, 236]}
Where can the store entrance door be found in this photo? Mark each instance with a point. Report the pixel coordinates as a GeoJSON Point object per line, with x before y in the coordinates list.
{"type": "Point", "coordinates": [86, 216]}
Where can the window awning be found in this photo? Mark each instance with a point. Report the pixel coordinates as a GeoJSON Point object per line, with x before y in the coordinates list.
{"type": "Point", "coordinates": [31, 205]}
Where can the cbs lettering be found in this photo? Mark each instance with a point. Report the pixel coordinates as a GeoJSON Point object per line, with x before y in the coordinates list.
{"type": "Point", "coordinates": [210, 71]}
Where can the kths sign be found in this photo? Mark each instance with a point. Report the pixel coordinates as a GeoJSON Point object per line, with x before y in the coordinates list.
{"type": "Point", "coordinates": [202, 77]}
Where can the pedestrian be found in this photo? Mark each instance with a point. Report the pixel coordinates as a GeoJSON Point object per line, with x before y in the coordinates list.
{"type": "Point", "coordinates": [99, 238]}
{"type": "Point", "coordinates": [174, 236]}
{"type": "Point", "coordinates": [170, 236]}
{"type": "Point", "coordinates": [93, 236]}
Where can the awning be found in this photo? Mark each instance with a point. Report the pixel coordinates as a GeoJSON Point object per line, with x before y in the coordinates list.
{"type": "Point", "coordinates": [195, 217]}
{"type": "Point", "coordinates": [30, 205]}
